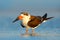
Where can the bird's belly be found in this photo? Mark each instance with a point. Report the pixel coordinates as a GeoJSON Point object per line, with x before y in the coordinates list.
{"type": "Point", "coordinates": [25, 21]}
{"type": "Point", "coordinates": [25, 24]}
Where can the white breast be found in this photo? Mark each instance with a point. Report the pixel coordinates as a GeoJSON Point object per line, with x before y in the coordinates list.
{"type": "Point", "coordinates": [25, 20]}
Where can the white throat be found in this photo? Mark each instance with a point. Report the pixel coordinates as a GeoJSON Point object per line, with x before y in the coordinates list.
{"type": "Point", "coordinates": [25, 20]}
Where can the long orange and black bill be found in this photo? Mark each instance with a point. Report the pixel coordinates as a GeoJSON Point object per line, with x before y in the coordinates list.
{"type": "Point", "coordinates": [16, 20]}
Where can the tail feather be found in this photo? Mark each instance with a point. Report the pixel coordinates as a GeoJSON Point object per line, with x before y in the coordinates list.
{"type": "Point", "coordinates": [45, 16]}
{"type": "Point", "coordinates": [49, 18]}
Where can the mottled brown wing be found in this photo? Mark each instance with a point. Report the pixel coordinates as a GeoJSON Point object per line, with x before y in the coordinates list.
{"type": "Point", "coordinates": [35, 21]}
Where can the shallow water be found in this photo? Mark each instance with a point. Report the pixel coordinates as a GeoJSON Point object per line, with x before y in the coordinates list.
{"type": "Point", "coordinates": [15, 35]}
{"type": "Point", "coordinates": [49, 30]}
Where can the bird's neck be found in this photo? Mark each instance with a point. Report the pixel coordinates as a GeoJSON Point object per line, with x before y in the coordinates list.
{"type": "Point", "coordinates": [26, 20]}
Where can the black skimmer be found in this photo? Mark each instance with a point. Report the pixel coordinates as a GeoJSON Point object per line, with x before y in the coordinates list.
{"type": "Point", "coordinates": [30, 21]}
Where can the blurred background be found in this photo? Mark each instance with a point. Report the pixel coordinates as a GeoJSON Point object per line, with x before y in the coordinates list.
{"type": "Point", "coordinates": [10, 9]}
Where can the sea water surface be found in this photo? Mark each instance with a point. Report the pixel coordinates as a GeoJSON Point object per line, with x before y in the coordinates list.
{"type": "Point", "coordinates": [49, 30]}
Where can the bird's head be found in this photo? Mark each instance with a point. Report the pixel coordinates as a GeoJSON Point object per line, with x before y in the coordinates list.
{"type": "Point", "coordinates": [22, 16]}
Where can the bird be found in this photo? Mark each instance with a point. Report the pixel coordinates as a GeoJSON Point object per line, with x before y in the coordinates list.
{"type": "Point", "coordinates": [30, 21]}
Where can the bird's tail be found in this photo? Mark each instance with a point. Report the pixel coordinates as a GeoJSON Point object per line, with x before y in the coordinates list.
{"type": "Point", "coordinates": [45, 17]}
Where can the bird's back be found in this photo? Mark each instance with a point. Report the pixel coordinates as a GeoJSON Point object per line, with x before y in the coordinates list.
{"type": "Point", "coordinates": [35, 21]}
